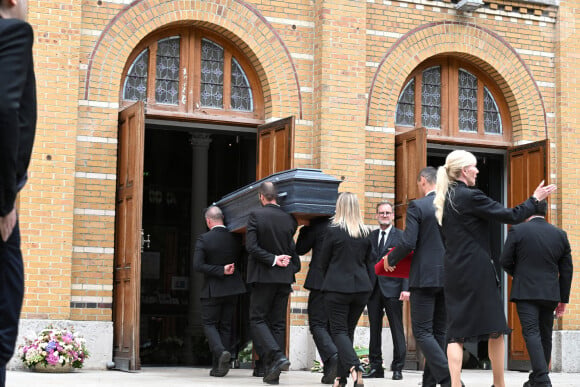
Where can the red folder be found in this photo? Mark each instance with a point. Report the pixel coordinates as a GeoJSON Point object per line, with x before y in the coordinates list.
{"type": "Point", "coordinates": [402, 268]}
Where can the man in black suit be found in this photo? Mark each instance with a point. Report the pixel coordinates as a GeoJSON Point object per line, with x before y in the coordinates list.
{"type": "Point", "coordinates": [428, 316]}
{"type": "Point", "coordinates": [388, 296]}
{"type": "Point", "coordinates": [272, 263]}
{"type": "Point", "coordinates": [311, 237]}
{"type": "Point", "coordinates": [17, 128]}
{"type": "Point", "coordinates": [537, 255]}
{"type": "Point", "coordinates": [216, 254]}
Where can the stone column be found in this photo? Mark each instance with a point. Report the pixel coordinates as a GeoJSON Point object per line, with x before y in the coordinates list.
{"type": "Point", "coordinates": [200, 146]}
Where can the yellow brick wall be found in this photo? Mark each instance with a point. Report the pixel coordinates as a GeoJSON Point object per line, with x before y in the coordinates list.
{"type": "Point", "coordinates": [567, 139]}
{"type": "Point", "coordinates": [46, 204]}
{"type": "Point", "coordinates": [338, 66]}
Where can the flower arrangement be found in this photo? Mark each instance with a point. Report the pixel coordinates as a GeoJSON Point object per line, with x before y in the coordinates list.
{"type": "Point", "coordinates": [54, 347]}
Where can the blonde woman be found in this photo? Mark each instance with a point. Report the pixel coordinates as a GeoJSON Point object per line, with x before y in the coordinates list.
{"type": "Point", "coordinates": [472, 296]}
{"type": "Point", "coordinates": [346, 264]}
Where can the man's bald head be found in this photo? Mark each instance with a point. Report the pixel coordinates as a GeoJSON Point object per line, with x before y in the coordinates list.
{"type": "Point", "coordinates": [268, 191]}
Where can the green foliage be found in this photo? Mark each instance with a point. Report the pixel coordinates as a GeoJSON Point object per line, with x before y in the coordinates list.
{"type": "Point", "coordinates": [361, 352]}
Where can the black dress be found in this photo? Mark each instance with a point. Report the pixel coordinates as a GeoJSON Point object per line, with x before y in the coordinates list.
{"type": "Point", "coordinates": [472, 295]}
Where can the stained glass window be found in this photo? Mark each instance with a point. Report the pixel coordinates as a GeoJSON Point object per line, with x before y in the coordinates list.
{"type": "Point", "coordinates": [212, 74]}
{"type": "Point", "coordinates": [167, 74]}
{"type": "Point", "coordinates": [431, 98]}
{"type": "Point", "coordinates": [241, 92]}
{"type": "Point", "coordinates": [491, 117]}
{"type": "Point", "coordinates": [135, 88]}
{"type": "Point", "coordinates": [467, 102]}
{"type": "Point", "coordinates": [199, 82]}
{"type": "Point", "coordinates": [405, 115]}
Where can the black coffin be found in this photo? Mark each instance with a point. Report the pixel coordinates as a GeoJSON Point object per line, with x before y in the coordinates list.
{"type": "Point", "coordinates": [305, 193]}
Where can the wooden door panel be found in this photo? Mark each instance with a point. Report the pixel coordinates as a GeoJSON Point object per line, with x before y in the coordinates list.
{"type": "Point", "coordinates": [281, 150]}
{"type": "Point", "coordinates": [275, 147]}
{"type": "Point", "coordinates": [265, 166]}
{"type": "Point", "coordinates": [528, 165]}
{"type": "Point", "coordinates": [127, 261]}
{"type": "Point", "coordinates": [410, 158]}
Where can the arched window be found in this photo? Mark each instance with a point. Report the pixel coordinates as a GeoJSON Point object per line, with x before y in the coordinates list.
{"type": "Point", "coordinates": [456, 101]}
{"type": "Point", "coordinates": [192, 73]}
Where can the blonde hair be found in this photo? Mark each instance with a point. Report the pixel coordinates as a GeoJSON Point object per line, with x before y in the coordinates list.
{"type": "Point", "coordinates": [448, 174]}
{"type": "Point", "coordinates": [348, 215]}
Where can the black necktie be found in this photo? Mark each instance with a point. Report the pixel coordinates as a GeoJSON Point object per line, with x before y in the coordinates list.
{"type": "Point", "coordinates": [382, 242]}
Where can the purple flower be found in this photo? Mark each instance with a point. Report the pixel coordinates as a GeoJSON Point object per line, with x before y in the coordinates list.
{"type": "Point", "coordinates": [51, 346]}
{"type": "Point", "coordinates": [53, 358]}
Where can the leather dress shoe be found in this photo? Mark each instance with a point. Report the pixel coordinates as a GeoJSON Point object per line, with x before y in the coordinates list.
{"type": "Point", "coordinates": [259, 369]}
{"type": "Point", "coordinates": [374, 373]}
{"type": "Point", "coordinates": [397, 375]}
{"type": "Point", "coordinates": [258, 372]}
{"type": "Point", "coordinates": [278, 365]}
{"type": "Point", "coordinates": [223, 364]}
{"type": "Point", "coordinates": [330, 369]}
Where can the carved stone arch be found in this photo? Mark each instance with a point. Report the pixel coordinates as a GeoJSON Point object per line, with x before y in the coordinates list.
{"type": "Point", "coordinates": [480, 46]}
{"type": "Point", "coordinates": [257, 39]}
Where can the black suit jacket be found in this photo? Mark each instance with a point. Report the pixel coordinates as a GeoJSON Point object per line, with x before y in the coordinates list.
{"type": "Point", "coordinates": [213, 250]}
{"type": "Point", "coordinates": [346, 262]}
{"type": "Point", "coordinates": [537, 255]}
{"type": "Point", "coordinates": [390, 286]}
{"type": "Point", "coordinates": [422, 236]}
{"type": "Point", "coordinates": [270, 232]}
{"type": "Point", "coordinates": [312, 237]}
{"type": "Point", "coordinates": [17, 108]}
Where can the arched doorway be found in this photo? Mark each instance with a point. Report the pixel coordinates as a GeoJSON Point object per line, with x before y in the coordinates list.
{"type": "Point", "coordinates": [193, 106]}
{"type": "Point", "coordinates": [447, 103]}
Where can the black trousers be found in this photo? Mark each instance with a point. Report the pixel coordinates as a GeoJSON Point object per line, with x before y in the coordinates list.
{"type": "Point", "coordinates": [217, 316]}
{"type": "Point", "coordinates": [319, 325]}
{"type": "Point", "coordinates": [377, 307]}
{"type": "Point", "coordinates": [268, 306]}
{"type": "Point", "coordinates": [428, 318]}
{"type": "Point", "coordinates": [344, 311]}
{"type": "Point", "coordinates": [537, 319]}
{"type": "Point", "coordinates": [11, 295]}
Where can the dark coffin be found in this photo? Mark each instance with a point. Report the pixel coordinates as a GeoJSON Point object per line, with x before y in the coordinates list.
{"type": "Point", "coordinates": [305, 193]}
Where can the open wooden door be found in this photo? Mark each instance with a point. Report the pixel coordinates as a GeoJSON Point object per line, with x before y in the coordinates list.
{"type": "Point", "coordinates": [128, 207]}
{"type": "Point", "coordinates": [410, 158]}
{"type": "Point", "coordinates": [275, 147]}
{"type": "Point", "coordinates": [528, 165]}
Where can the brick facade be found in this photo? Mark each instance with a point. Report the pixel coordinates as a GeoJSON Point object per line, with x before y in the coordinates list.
{"type": "Point", "coordinates": [338, 66]}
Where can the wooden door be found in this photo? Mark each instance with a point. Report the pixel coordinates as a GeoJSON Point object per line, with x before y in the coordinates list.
{"type": "Point", "coordinates": [128, 207]}
{"type": "Point", "coordinates": [275, 147]}
{"type": "Point", "coordinates": [528, 165]}
{"type": "Point", "coordinates": [275, 150]}
{"type": "Point", "coordinates": [410, 158]}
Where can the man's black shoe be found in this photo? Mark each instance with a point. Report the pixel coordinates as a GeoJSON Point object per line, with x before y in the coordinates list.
{"type": "Point", "coordinates": [223, 364]}
{"type": "Point", "coordinates": [330, 369]}
{"type": "Point", "coordinates": [279, 365]}
{"type": "Point", "coordinates": [374, 373]}
{"type": "Point", "coordinates": [258, 372]}
{"type": "Point", "coordinates": [397, 375]}
{"type": "Point", "coordinates": [259, 369]}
